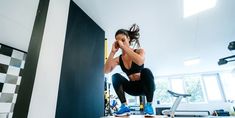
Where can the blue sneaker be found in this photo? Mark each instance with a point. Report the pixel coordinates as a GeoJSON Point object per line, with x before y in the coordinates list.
{"type": "Point", "coordinates": [123, 111]}
{"type": "Point", "coordinates": [148, 110]}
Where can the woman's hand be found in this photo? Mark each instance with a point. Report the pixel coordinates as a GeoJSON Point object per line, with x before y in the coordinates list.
{"type": "Point", "coordinates": [120, 43]}
{"type": "Point", "coordinates": [115, 47]}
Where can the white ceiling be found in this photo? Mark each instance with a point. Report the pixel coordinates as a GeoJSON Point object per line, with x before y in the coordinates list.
{"type": "Point", "coordinates": [16, 22]}
{"type": "Point", "coordinates": [167, 37]}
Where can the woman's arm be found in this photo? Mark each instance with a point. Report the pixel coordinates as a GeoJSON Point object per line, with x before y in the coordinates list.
{"type": "Point", "coordinates": [111, 63]}
{"type": "Point", "coordinates": [138, 57]}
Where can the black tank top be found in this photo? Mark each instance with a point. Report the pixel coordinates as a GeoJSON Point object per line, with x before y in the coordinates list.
{"type": "Point", "coordinates": [134, 67]}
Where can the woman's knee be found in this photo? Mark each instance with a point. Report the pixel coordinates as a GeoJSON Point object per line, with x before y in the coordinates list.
{"type": "Point", "coordinates": [146, 70]}
{"type": "Point", "coordinates": [147, 73]}
{"type": "Point", "coordinates": [117, 78]}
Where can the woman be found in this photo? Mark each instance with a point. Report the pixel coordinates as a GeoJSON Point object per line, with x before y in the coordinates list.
{"type": "Point", "coordinates": [141, 80]}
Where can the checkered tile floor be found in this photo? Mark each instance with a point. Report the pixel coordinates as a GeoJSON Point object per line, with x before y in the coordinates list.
{"type": "Point", "coordinates": [11, 64]}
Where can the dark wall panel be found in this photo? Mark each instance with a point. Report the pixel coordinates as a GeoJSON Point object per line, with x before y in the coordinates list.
{"type": "Point", "coordinates": [82, 79]}
{"type": "Point", "coordinates": [28, 74]}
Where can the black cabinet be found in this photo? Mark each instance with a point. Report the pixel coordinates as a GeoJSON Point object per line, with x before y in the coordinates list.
{"type": "Point", "coordinates": [82, 79]}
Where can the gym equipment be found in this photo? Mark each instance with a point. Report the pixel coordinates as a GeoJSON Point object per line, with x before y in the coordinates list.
{"type": "Point", "coordinates": [108, 110]}
{"type": "Point", "coordinates": [225, 60]}
{"type": "Point", "coordinates": [220, 112]}
{"type": "Point", "coordinates": [231, 46]}
{"type": "Point", "coordinates": [171, 112]}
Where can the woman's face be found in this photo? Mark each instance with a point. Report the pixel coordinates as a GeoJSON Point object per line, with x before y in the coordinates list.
{"type": "Point", "coordinates": [123, 38]}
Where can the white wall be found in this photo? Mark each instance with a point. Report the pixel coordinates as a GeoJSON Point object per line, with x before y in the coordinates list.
{"type": "Point", "coordinates": [45, 90]}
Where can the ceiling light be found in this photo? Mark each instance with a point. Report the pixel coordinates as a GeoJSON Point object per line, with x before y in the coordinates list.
{"type": "Point", "coordinates": [191, 62]}
{"type": "Point", "coordinates": [192, 7]}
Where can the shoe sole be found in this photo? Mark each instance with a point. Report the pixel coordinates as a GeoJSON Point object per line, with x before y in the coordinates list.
{"type": "Point", "coordinates": [149, 115]}
{"type": "Point", "coordinates": [124, 114]}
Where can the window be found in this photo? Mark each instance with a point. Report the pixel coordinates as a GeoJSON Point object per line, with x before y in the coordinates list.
{"type": "Point", "coordinates": [161, 94]}
{"type": "Point", "coordinates": [203, 88]}
{"type": "Point", "coordinates": [193, 86]}
{"type": "Point", "coordinates": [212, 87]}
{"type": "Point", "coordinates": [177, 85]}
{"type": "Point", "coordinates": [228, 80]}
{"type": "Point", "coordinates": [185, 84]}
{"type": "Point", "coordinates": [132, 100]}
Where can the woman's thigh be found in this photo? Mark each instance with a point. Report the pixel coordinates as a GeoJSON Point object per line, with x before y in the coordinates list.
{"type": "Point", "coordinates": [134, 88]}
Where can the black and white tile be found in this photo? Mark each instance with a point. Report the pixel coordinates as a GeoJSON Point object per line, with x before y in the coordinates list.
{"type": "Point", "coordinates": [11, 64]}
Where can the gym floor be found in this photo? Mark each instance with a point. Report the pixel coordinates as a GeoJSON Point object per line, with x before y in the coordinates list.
{"type": "Point", "coordinates": [142, 116]}
{"type": "Point", "coordinates": [134, 116]}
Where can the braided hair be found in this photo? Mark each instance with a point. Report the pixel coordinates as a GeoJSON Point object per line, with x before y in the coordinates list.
{"type": "Point", "coordinates": [132, 33]}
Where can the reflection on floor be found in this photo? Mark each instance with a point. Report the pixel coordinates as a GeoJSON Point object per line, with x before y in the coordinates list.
{"type": "Point", "coordinates": [157, 116]}
{"type": "Point", "coordinates": [135, 116]}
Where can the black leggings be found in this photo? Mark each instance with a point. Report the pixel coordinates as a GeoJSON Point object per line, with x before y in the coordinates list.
{"type": "Point", "coordinates": [144, 86]}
